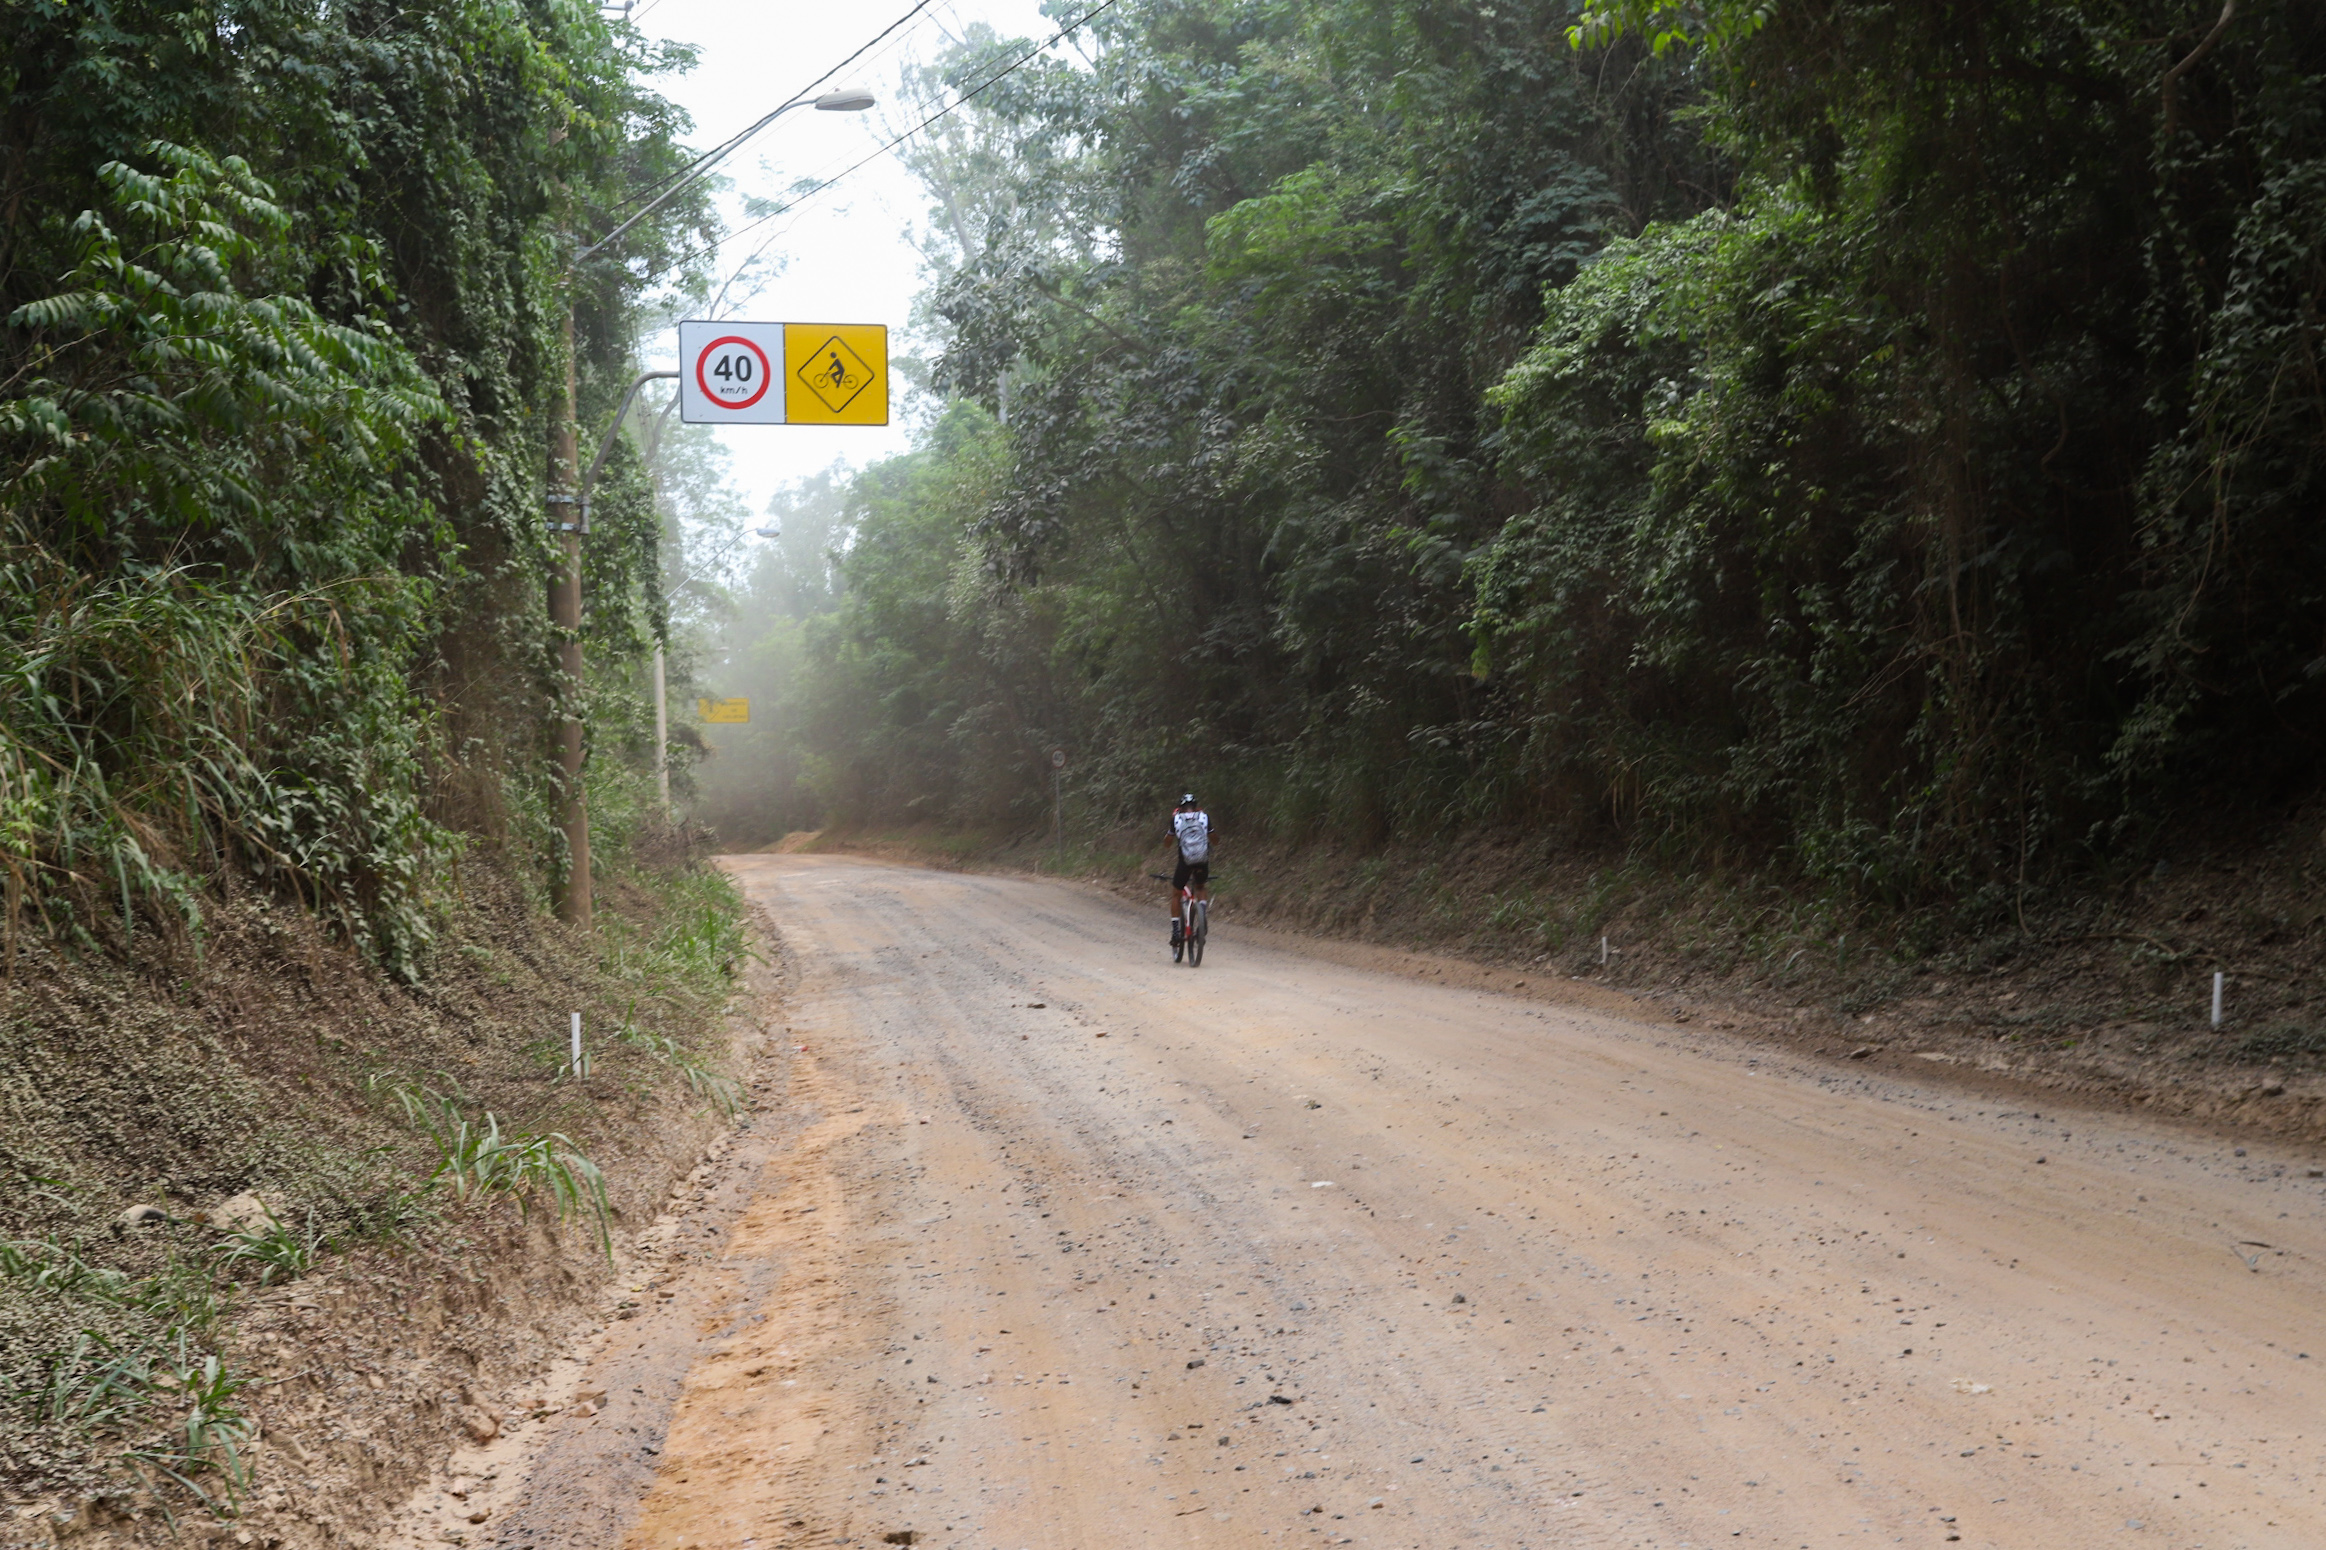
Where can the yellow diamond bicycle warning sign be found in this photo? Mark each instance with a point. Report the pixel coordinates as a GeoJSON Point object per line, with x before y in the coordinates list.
{"type": "Point", "coordinates": [838, 373]}
{"type": "Point", "coordinates": [835, 374]}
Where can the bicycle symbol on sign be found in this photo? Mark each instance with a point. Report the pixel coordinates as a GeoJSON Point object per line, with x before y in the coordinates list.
{"type": "Point", "coordinates": [834, 377]}
{"type": "Point", "coordinates": [836, 374]}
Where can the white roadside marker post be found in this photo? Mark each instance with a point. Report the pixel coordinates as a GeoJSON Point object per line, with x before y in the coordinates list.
{"type": "Point", "coordinates": [577, 1065]}
{"type": "Point", "coordinates": [2216, 998]}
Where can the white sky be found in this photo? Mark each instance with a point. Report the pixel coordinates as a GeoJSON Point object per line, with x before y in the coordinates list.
{"type": "Point", "coordinates": [844, 257]}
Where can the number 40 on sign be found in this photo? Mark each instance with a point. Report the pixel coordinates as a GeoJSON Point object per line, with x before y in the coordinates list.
{"type": "Point", "coordinates": [783, 373]}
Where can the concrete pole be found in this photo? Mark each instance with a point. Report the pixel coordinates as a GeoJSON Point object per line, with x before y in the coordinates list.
{"type": "Point", "coordinates": [566, 515]}
{"type": "Point", "coordinates": [661, 735]}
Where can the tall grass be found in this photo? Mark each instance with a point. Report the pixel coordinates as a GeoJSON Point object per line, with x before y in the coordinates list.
{"type": "Point", "coordinates": [148, 741]}
{"type": "Point", "coordinates": [698, 942]}
{"type": "Point", "coordinates": [475, 1160]}
{"type": "Point", "coordinates": [275, 1249]}
{"type": "Point", "coordinates": [127, 708]}
{"type": "Point", "coordinates": [55, 1267]}
{"type": "Point", "coordinates": [211, 1433]}
{"type": "Point", "coordinates": [694, 951]}
{"type": "Point", "coordinates": [723, 1092]}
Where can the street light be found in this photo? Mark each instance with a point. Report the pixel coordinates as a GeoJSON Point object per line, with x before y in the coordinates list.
{"type": "Point", "coordinates": [567, 500]}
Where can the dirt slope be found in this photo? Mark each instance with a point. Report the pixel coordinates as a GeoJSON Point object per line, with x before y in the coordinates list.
{"type": "Point", "coordinates": [1063, 1246]}
{"type": "Point", "coordinates": [267, 1063]}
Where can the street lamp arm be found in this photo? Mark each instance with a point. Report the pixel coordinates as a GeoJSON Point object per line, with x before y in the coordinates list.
{"type": "Point", "coordinates": [597, 465]}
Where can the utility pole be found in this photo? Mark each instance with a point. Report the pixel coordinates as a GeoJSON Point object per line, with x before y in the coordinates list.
{"type": "Point", "coordinates": [568, 502]}
{"type": "Point", "coordinates": [661, 736]}
{"type": "Point", "coordinates": [569, 519]}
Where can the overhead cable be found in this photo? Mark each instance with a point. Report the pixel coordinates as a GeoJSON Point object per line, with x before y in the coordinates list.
{"type": "Point", "coordinates": [701, 166]}
{"type": "Point", "coordinates": [962, 101]}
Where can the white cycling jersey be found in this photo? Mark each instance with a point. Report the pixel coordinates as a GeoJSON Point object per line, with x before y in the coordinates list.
{"type": "Point", "coordinates": [1193, 832]}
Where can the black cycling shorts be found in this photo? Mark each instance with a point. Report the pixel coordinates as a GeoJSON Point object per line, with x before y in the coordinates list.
{"type": "Point", "coordinates": [1191, 874]}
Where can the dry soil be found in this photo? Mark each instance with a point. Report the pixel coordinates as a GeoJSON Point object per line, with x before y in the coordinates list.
{"type": "Point", "coordinates": [1057, 1244]}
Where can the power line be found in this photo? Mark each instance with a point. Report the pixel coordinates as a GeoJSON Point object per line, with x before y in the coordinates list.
{"type": "Point", "coordinates": [720, 299]}
{"type": "Point", "coordinates": [703, 163]}
{"type": "Point", "coordinates": [965, 98]}
{"type": "Point", "coordinates": [729, 144]}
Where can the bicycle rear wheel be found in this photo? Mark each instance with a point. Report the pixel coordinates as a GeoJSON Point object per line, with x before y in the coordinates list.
{"type": "Point", "coordinates": [1195, 937]}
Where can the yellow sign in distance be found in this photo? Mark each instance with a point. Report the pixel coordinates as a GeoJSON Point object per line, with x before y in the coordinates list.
{"type": "Point", "coordinates": [835, 373]}
{"type": "Point", "coordinates": [723, 713]}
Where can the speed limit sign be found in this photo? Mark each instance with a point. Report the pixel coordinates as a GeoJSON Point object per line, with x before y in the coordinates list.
{"type": "Point", "coordinates": [735, 372]}
{"type": "Point", "coordinates": [730, 373]}
{"type": "Point", "coordinates": [1057, 758]}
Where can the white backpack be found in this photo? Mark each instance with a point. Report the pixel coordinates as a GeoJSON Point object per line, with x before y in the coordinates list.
{"type": "Point", "coordinates": [1194, 831]}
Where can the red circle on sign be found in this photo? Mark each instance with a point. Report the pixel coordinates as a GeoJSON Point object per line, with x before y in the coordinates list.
{"type": "Point", "coordinates": [766, 372]}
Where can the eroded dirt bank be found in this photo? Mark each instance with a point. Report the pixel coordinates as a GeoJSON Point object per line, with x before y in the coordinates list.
{"type": "Point", "coordinates": [388, 1318]}
{"type": "Point", "coordinates": [1058, 1245]}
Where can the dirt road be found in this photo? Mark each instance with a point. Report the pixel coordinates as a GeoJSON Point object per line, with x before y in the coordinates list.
{"type": "Point", "coordinates": [1062, 1247]}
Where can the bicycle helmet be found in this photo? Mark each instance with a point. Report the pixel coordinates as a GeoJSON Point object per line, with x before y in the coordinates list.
{"type": "Point", "coordinates": [1189, 800]}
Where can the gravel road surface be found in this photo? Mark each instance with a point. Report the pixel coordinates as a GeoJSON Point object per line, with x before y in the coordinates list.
{"type": "Point", "coordinates": [1059, 1246]}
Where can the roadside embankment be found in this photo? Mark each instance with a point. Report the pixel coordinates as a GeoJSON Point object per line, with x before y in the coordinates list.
{"type": "Point", "coordinates": [282, 1231]}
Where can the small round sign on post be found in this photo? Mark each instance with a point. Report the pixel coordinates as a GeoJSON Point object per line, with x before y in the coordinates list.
{"type": "Point", "coordinates": [730, 372]}
{"type": "Point", "coordinates": [1057, 758]}
{"type": "Point", "coordinates": [733, 372]}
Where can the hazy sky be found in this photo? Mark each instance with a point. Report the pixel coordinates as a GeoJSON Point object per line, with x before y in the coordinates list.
{"type": "Point", "coordinates": [844, 254]}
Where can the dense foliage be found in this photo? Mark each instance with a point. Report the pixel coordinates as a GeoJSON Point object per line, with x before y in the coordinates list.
{"type": "Point", "coordinates": [284, 288]}
{"type": "Point", "coordinates": [1880, 437]}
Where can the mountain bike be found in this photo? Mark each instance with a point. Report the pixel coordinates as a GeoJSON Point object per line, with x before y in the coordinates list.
{"type": "Point", "coordinates": [1194, 925]}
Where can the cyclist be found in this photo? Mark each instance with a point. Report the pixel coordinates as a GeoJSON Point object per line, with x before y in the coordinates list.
{"type": "Point", "coordinates": [1191, 833]}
